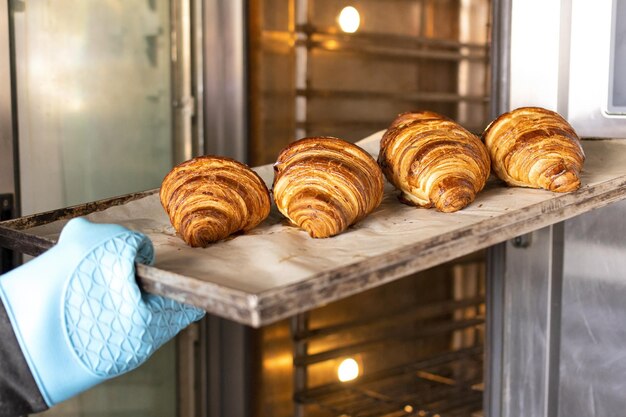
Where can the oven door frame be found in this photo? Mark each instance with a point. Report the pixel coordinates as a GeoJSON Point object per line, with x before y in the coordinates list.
{"type": "Point", "coordinates": [9, 168]}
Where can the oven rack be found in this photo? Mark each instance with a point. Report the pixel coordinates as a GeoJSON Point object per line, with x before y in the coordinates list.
{"type": "Point", "coordinates": [446, 385]}
{"type": "Point", "coordinates": [442, 384]}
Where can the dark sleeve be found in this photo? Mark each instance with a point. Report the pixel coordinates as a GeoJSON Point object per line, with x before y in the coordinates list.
{"type": "Point", "coordinates": [19, 394]}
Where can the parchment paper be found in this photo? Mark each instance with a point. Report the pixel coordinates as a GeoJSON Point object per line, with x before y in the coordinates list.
{"type": "Point", "coordinates": [275, 254]}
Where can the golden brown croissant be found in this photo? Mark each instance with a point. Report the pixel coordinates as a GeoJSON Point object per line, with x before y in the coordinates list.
{"type": "Point", "coordinates": [433, 161]}
{"type": "Point", "coordinates": [535, 147]}
{"type": "Point", "coordinates": [325, 184]}
{"type": "Point", "coordinates": [208, 198]}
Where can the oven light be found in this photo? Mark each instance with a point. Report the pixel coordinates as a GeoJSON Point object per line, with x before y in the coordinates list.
{"type": "Point", "coordinates": [349, 19]}
{"type": "Point", "coordinates": [348, 370]}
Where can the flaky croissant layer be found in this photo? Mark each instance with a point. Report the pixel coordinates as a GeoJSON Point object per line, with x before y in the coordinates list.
{"type": "Point", "coordinates": [324, 185]}
{"type": "Point", "coordinates": [209, 198]}
{"type": "Point", "coordinates": [535, 147]}
{"type": "Point", "coordinates": [433, 161]}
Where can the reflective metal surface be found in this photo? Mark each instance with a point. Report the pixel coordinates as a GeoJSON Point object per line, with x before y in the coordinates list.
{"type": "Point", "coordinates": [572, 42]}
{"type": "Point", "coordinates": [7, 145]}
{"type": "Point", "coordinates": [494, 329]}
{"type": "Point", "coordinates": [225, 88]}
{"type": "Point", "coordinates": [183, 100]}
{"type": "Point", "coordinates": [500, 56]}
{"type": "Point", "coordinates": [535, 37]}
{"type": "Point", "coordinates": [556, 320]}
{"type": "Point", "coordinates": [527, 340]}
{"type": "Point", "coordinates": [94, 99]}
{"type": "Point", "coordinates": [617, 87]}
{"type": "Point", "coordinates": [589, 84]}
{"type": "Point", "coordinates": [593, 346]}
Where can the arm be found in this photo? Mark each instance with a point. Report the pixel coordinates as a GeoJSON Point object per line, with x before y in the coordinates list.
{"type": "Point", "coordinates": [76, 317]}
{"type": "Point", "coordinates": [18, 390]}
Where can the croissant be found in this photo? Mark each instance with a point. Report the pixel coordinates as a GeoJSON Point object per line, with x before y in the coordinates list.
{"type": "Point", "coordinates": [325, 184]}
{"type": "Point", "coordinates": [433, 161]}
{"type": "Point", "coordinates": [535, 147]}
{"type": "Point", "coordinates": [208, 198]}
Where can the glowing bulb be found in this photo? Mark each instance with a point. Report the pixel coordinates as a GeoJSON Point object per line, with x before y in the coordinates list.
{"type": "Point", "coordinates": [349, 19]}
{"type": "Point", "coordinates": [408, 408]}
{"type": "Point", "coordinates": [348, 370]}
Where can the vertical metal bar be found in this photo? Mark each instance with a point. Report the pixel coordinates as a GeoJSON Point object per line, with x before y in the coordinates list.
{"type": "Point", "coordinates": [187, 393]}
{"type": "Point", "coordinates": [9, 168]}
{"type": "Point", "coordinates": [494, 329]}
{"type": "Point", "coordinates": [10, 204]}
{"type": "Point", "coordinates": [564, 57]}
{"type": "Point", "coordinates": [197, 75]}
{"type": "Point", "coordinates": [496, 255]}
{"type": "Point", "coordinates": [229, 368]}
{"type": "Point", "coordinates": [8, 258]}
{"type": "Point", "coordinates": [525, 326]}
{"type": "Point", "coordinates": [299, 325]}
{"type": "Point", "coordinates": [463, 68]}
{"type": "Point", "coordinates": [552, 374]}
{"type": "Point", "coordinates": [225, 79]}
{"type": "Point", "coordinates": [203, 367]}
{"type": "Point", "coordinates": [302, 57]}
{"type": "Point", "coordinates": [213, 369]}
{"type": "Point", "coordinates": [500, 56]}
{"type": "Point", "coordinates": [182, 97]}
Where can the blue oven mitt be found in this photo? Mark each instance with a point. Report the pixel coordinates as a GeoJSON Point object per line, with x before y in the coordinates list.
{"type": "Point", "coordinates": [78, 314]}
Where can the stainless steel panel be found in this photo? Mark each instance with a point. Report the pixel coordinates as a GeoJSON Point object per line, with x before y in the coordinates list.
{"type": "Point", "coordinates": [7, 148]}
{"type": "Point", "coordinates": [183, 101]}
{"type": "Point", "coordinates": [187, 79]}
{"type": "Point", "coordinates": [187, 345]}
{"type": "Point", "coordinates": [225, 88]}
{"type": "Point", "coordinates": [500, 56]}
{"type": "Point", "coordinates": [525, 336]}
{"type": "Point", "coordinates": [617, 87]}
{"type": "Point", "coordinates": [197, 74]}
{"type": "Point", "coordinates": [494, 327]}
{"type": "Point", "coordinates": [590, 41]}
{"type": "Point", "coordinates": [593, 348]}
{"type": "Point", "coordinates": [229, 351]}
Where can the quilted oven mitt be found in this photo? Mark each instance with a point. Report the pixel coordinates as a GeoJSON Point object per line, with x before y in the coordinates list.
{"type": "Point", "coordinates": [78, 314]}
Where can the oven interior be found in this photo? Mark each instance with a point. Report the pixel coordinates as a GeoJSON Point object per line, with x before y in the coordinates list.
{"type": "Point", "coordinates": [411, 347]}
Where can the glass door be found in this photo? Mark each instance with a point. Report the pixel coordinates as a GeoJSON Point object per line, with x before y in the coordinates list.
{"type": "Point", "coordinates": [94, 99]}
{"type": "Point", "coordinates": [97, 92]}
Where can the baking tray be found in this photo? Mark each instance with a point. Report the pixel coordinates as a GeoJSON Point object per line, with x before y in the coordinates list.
{"type": "Point", "coordinates": [276, 270]}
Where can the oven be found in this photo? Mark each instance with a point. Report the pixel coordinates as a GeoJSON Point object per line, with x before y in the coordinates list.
{"type": "Point", "coordinates": [523, 327]}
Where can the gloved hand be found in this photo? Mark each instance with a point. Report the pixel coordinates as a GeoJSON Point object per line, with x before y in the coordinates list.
{"type": "Point", "coordinates": [78, 314]}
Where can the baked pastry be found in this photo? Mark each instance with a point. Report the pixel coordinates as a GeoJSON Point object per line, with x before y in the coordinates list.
{"type": "Point", "coordinates": [324, 185]}
{"type": "Point", "coordinates": [208, 198]}
{"type": "Point", "coordinates": [535, 147]}
{"type": "Point", "coordinates": [433, 161]}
